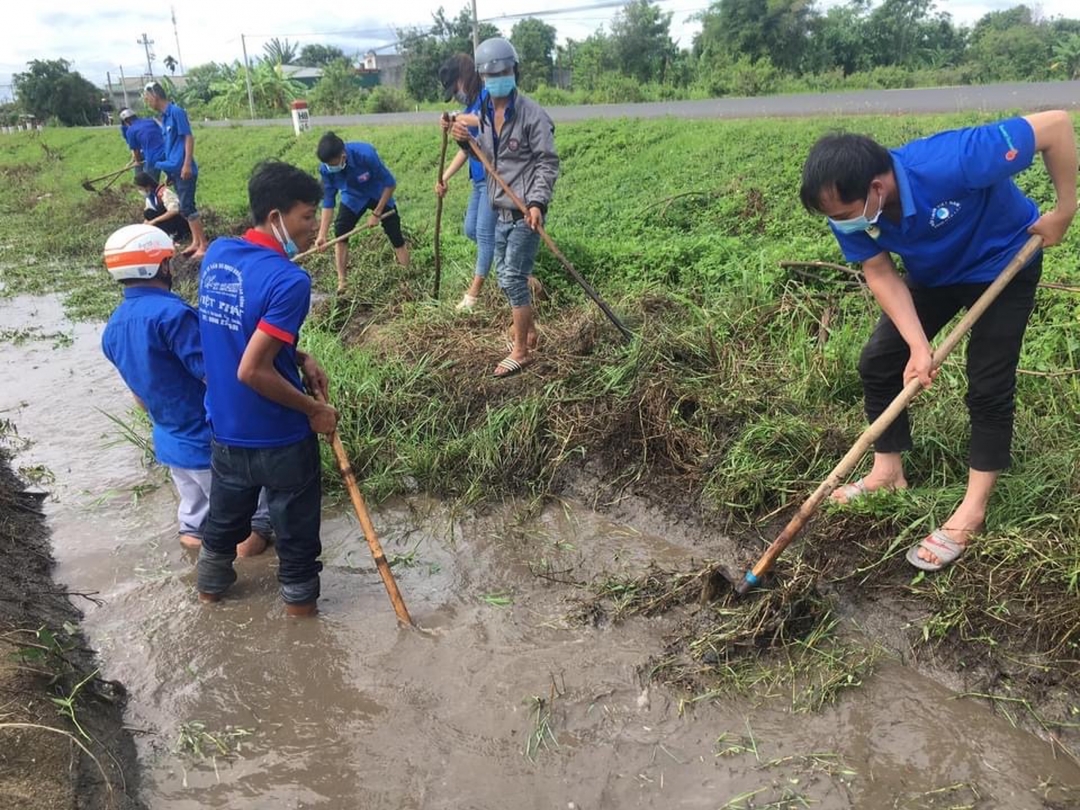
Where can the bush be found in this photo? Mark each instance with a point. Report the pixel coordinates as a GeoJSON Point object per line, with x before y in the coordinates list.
{"type": "Point", "coordinates": [388, 100]}
{"type": "Point", "coordinates": [613, 88]}
{"type": "Point", "coordinates": [548, 96]}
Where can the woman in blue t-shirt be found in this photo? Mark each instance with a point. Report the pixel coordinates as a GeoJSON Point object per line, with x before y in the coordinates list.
{"type": "Point", "coordinates": [462, 83]}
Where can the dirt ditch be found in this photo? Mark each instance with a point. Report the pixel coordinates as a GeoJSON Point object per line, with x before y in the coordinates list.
{"type": "Point", "coordinates": [508, 697]}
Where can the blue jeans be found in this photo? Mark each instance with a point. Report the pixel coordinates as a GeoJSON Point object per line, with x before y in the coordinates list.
{"type": "Point", "coordinates": [291, 476]}
{"type": "Point", "coordinates": [515, 254]}
{"type": "Point", "coordinates": [480, 227]}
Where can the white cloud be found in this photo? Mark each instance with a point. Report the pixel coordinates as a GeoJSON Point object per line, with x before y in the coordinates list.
{"type": "Point", "coordinates": [101, 35]}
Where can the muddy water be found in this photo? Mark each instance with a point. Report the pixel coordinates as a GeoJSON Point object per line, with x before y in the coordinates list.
{"type": "Point", "coordinates": [349, 711]}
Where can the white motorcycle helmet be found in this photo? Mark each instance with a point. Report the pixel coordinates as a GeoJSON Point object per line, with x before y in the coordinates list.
{"type": "Point", "coordinates": [137, 251]}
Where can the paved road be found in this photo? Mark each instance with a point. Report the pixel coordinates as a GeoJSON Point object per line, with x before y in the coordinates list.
{"type": "Point", "coordinates": [986, 98]}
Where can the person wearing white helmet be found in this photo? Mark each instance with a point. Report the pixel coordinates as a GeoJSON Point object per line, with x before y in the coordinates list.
{"type": "Point", "coordinates": [152, 339]}
{"type": "Point", "coordinates": [143, 136]}
{"type": "Point", "coordinates": [518, 138]}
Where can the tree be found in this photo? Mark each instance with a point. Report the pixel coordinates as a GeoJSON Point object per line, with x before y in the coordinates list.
{"type": "Point", "coordinates": [270, 89]}
{"type": "Point", "coordinates": [1011, 45]}
{"type": "Point", "coordinates": [534, 41]}
{"type": "Point", "coordinates": [49, 89]}
{"type": "Point", "coordinates": [170, 64]}
{"type": "Point", "coordinates": [1067, 57]}
{"type": "Point", "coordinates": [587, 60]}
{"type": "Point", "coordinates": [280, 52]}
{"type": "Point", "coordinates": [200, 81]}
{"type": "Point", "coordinates": [641, 41]}
{"type": "Point", "coordinates": [319, 55]}
{"type": "Point", "coordinates": [338, 91]}
{"type": "Point", "coordinates": [778, 30]}
{"type": "Point", "coordinates": [425, 50]}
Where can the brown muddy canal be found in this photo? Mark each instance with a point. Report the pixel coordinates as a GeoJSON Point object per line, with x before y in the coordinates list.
{"type": "Point", "coordinates": [349, 711]}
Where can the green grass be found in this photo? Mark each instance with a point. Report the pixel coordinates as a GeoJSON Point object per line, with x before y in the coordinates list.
{"type": "Point", "coordinates": [737, 396]}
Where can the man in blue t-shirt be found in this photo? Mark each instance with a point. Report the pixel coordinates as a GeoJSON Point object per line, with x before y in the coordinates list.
{"type": "Point", "coordinates": [178, 162]}
{"type": "Point", "coordinates": [355, 170]}
{"type": "Point", "coordinates": [152, 339]}
{"type": "Point", "coordinates": [143, 136]}
{"type": "Point", "coordinates": [948, 207]}
{"type": "Point", "coordinates": [252, 302]}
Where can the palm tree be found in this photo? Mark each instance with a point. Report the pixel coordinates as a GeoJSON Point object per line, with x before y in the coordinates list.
{"type": "Point", "coordinates": [280, 52]}
{"type": "Point", "coordinates": [170, 63]}
{"type": "Point", "coordinates": [270, 90]}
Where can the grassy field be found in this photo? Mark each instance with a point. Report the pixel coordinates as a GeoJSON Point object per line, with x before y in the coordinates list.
{"type": "Point", "coordinates": [737, 396]}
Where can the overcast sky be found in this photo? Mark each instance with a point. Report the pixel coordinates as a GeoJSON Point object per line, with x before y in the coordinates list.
{"type": "Point", "coordinates": [100, 36]}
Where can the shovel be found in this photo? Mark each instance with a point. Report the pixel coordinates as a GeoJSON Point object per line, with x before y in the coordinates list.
{"type": "Point", "coordinates": [878, 426]}
{"type": "Point", "coordinates": [111, 177]}
{"type": "Point", "coordinates": [341, 238]}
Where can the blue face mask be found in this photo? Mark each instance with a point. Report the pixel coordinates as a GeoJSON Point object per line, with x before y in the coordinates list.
{"type": "Point", "coordinates": [860, 223]}
{"type": "Point", "coordinates": [334, 169]}
{"type": "Point", "coordinates": [286, 241]}
{"type": "Point", "coordinates": [500, 86]}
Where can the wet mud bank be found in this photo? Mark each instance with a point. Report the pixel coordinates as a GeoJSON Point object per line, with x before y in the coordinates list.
{"type": "Point", "coordinates": [62, 740]}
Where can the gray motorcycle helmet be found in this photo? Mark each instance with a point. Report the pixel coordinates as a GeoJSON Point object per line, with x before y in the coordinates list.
{"type": "Point", "coordinates": [495, 55]}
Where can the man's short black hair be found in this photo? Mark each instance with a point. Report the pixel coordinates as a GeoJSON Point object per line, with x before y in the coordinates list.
{"type": "Point", "coordinates": [145, 180]}
{"type": "Point", "coordinates": [278, 186]}
{"type": "Point", "coordinates": [330, 147]}
{"type": "Point", "coordinates": [845, 162]}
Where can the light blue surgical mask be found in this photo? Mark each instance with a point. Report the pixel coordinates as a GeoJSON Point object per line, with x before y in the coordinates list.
{"type": "Point", "coordinates": [862, 222]}
{"type": "Point", "coordinates": [287, 242]}
{"type": "Point", "coordinates": [500, 86]}
{"type": "Point", "coordinates": [334, 169]}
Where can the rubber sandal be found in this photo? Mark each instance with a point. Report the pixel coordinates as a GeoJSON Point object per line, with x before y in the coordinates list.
{"type": "Point", "coordinates": [941, 546]}
{"type": "Point", "coordinates": [510, 367]}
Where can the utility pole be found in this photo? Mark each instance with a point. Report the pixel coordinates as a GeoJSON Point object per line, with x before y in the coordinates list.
{"type": "Point", "coordinates": [247, 76]}
{"type": "Point", "coordinates": [176, 34]}
{"type": "Point", "coordinates": [146, 42]}
{"type": "Point", "coordinates": [123, 86]}
{"type": "Point", "coordinates": [475, 28]}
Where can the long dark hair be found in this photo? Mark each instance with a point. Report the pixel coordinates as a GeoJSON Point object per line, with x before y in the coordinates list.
{"type": "Point", "coordinates": [464, 71]}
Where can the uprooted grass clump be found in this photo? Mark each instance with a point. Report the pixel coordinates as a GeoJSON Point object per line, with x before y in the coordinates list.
{"type": "Point", "coordinates": [783, 640]}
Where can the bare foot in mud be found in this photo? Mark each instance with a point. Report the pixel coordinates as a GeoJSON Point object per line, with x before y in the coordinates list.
{"type": "Point", "coordinates": [190, 542]}
{"type": "Point", "coordinates": [253, 546]}
{"type": "Point", "coordinates": [209, 598]}
{"type": "Point", "coordinates": [304, 610]}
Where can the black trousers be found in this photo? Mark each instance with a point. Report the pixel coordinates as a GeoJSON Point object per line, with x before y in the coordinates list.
{"type": "Point", "coordinates": [992, 355]}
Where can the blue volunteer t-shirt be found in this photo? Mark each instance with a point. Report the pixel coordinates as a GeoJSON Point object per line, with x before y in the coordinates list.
{"type": "Point", "coordinates": [153, 340]}
{"type": "Point", "coordinates": [476, 168]}
{"type": "Point", "coordinates": [245, 285]}
{"type": "Point", "coordinates": [145, 135]}
{"type": "Point", "coordinates": [963, 217]}
{"type": "Point", "coordinates": [361, 181]}
{"type": "Point", "coordinates": [175, 127]}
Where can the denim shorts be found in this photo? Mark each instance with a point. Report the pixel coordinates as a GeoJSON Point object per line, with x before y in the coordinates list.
{"type": "Point", "coordinates": [516, 245]}
{"type": "Point", "coordinates": [185, 190]}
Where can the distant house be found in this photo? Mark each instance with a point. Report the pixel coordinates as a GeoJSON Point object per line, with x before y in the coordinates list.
{"type": "Point", "coordinates": [386, 68]}
{"type": "Point", "coordinates": [130, 92]}
{"type": "Point", "coordinates": [307, 76]}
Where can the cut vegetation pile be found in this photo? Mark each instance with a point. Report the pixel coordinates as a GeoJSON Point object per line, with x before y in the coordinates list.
{"type": "Point", "coordinates": [737, 396]}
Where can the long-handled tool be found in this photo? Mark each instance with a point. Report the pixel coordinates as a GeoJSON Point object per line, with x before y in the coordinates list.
{"type": "Point", "coordinates": [879, 425]}
{"type": "Point", "coordinates": [438, 206]}
{"type": "Point", "coordinates": [111, 176]}
{"type": "Point", "coordinates": [369, 530]}
{"type": "Point", "coordinates": [342, 238]}
{"type": "Point", "coordinates": [627, 334]}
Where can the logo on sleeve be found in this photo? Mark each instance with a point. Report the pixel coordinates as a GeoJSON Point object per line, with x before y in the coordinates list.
{"type": "Point", "coordinates": [1013, 151]}
{"type": "Point", "coordinates": [943, 212]}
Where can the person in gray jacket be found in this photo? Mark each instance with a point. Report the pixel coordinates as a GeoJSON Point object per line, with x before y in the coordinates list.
{"type": "Point", "coordinates": [518, 138]}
